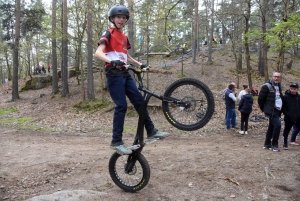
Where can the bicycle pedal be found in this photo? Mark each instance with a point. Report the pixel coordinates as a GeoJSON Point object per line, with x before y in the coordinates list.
{"type": "Point", "coordinates": [149, 141]}
{"type": "Point", "coordinates": [134, 147]}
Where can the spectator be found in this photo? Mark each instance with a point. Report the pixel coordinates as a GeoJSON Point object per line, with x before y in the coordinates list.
{"type": "Point", "coordinates": [254, 91]}
{"type": "Point", "coordinates": [291, 111]}
{"type": "Point", "coordinates": [48, 68]}
{"type": "Point", "coordinates": [243, 92]}
{"type": "Point", "coordinates": [295, 132]}
{"type": "Point", "coordinates": [43, 69]}
{"type": "Point", "coordinates": [230, 100]}
{"type": "Point", "coordinates": [112, 48]}
{"type": "Point", "coordinates": [223, 96]}
{"type": "Point", "coordinates": [270, 102]}
{"type": "Point", "coordinates": [39, 69]}
{"type": "Point", "coordinates": [245, 107]}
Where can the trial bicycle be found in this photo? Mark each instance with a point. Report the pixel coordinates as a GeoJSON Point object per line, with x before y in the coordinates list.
{"type": "Point", "coordinates": [188, 104]}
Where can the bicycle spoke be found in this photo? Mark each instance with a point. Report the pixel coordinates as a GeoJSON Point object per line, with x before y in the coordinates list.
{"type": "Point", "coordinates": [129, 179]}
{"type": "Point", "coordinates": [198, 104]}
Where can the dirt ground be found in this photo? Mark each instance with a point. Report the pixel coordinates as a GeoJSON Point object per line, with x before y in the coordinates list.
{"type": "Point", "coordinates": [64, 149]}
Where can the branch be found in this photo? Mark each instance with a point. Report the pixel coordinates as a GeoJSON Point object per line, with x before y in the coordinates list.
{"type": "Point", "coordinates": [168, 13]}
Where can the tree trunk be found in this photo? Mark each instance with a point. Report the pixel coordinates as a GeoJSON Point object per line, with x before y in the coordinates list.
{"type": "Point", "coordinates": [130, 23]}
{"type": "Point", "coordinates": [15, 88]}
{"type": "Point", "coordinates": [90, 77]}
{"type": "Point", "coordinates": [247, 52]}
{"type": "Point", "coordinates": [195, 41]}
{"type": "Point", "coordinates": [211, 35]}
{"type": "Point", "coordinates": [54, 53]}
{"type": "Point", "coordinates": [260, 41]}
{"type": "Point", "coordinates": [239, 66]}
{"type": "Point", "coordinates": [265, 43]}
{"type": "Point", "coordinates": [64, 68]}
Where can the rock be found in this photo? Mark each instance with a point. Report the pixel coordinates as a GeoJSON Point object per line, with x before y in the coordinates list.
{"type": "Point", "coordinates": [38, 82]}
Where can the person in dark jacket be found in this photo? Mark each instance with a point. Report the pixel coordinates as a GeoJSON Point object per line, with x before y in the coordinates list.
{"type": "Point", "coordinates": [291, 111]}
{"type": "Point", "coordinates": [270, 102]}
{"type": "Point", "coordinates": [245, 107]}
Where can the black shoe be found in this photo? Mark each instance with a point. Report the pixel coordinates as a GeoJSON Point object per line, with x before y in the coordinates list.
{"type": "Point", "coordinates": [285, 147]}
{"type": "Point", "coordinates": [267, 146]}
{"type": "Point", "coordinates": [275, 148]}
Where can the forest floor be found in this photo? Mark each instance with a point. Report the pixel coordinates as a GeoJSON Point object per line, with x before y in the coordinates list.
{"type": "Point", "coordinates": [49, 148]}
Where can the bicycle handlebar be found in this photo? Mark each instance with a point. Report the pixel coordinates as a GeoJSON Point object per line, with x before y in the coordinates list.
{"type": "Point", "coordinates": [136, 70]}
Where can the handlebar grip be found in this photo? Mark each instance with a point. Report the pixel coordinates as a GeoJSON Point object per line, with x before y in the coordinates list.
{"type": "Point", "coordinates": [145, 68]}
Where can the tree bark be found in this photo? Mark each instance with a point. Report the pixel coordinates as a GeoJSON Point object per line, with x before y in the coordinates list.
{"type": "Point", "coordinates": [15, 88]}
{"type": "Point", "coordinates": [211, 35]}
{"type": "Point", "coordinates": [64, 68]}
{"type": "Point", "coordinates": [247, 52]}
{"type": "Point", "coordinates": [130, 23]}
{"type": "Point", "coordinates": [195, 41]}
{"type": "Point", "coordinates": [54, 53]}
{"type": "Point", "coordinates": [90, 77]}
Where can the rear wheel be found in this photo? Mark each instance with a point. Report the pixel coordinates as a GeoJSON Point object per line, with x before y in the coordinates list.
{"type": "Point", "coordinates": [200, 104]}
{"type": "Point", "coordinates": [130, 172]}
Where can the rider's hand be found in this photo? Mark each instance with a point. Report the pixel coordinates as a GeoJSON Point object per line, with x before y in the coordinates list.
{"type": "Point", "coordinates": [116, 63]}
{"type": "Point", "coordinates": [144, 66]}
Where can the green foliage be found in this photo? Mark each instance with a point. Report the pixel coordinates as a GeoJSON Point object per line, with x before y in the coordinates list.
{"type": "Point", "coordinates": [180, 75]}
{"type": "Point", "coordinates": [33, 19]}
{"type": "Point", "coordinates": [285, 33]}
{"type": "Point", "coordinates": [7, 19]}
{"type": "Point", "coordinates": [7, 111]}
{"type": "Point", "coordinates": [21, 122]}
{"type": "Point", "coordinates": [91, 106]}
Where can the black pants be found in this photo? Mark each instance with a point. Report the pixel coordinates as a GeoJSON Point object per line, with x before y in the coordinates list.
{"type": "Point", "coordinates": [244, 121]}
{"type": "Point", "coordinates": [273, 131]}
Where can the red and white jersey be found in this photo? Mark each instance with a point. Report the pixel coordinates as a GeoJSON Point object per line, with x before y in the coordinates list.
{"type": "Point", "coordinates": [116, 48]}
{"type": "Point", "coordinates": [116, 43]}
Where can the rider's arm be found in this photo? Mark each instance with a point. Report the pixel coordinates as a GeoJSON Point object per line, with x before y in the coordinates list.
{"type": "Point", "coordinates": [133, 61]}
{"type": "Point", "coordinates": [100, 54]}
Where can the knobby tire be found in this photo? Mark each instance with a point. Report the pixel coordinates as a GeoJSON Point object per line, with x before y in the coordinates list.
{"type": "Point", "coordinates": [133, 181]}
{"type": "Point", "coordinates": [200, 98]}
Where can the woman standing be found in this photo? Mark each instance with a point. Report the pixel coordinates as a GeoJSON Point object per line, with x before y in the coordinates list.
{"type": "Point", "coordinates": [245, 107]}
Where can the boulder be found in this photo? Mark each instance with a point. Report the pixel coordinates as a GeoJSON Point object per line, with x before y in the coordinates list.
{"type": "Point", "coordinates": [38, 82]}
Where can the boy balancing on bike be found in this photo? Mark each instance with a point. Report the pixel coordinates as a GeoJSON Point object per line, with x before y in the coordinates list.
{"type": "Point", "coordinates": [112, 48]}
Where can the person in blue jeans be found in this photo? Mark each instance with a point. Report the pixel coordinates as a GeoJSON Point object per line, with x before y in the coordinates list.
{"type": "Point", "coordinates": [296, 130]}
{"type": "Point", "coordinates": [230, 100]}
{"type": "Point", "coordinates": [113, 49]}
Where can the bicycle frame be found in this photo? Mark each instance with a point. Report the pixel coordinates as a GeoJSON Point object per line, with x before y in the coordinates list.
{"type": "Point", "coordinates": [139, 143]}
{"type": "Point", "coordinates": [190, 110]}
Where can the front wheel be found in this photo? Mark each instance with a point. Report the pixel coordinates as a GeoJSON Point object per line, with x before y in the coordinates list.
{"type": "Point", "coordinates": [130, 172]}
{"type": "Point", "coordinates": [199, 100]}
